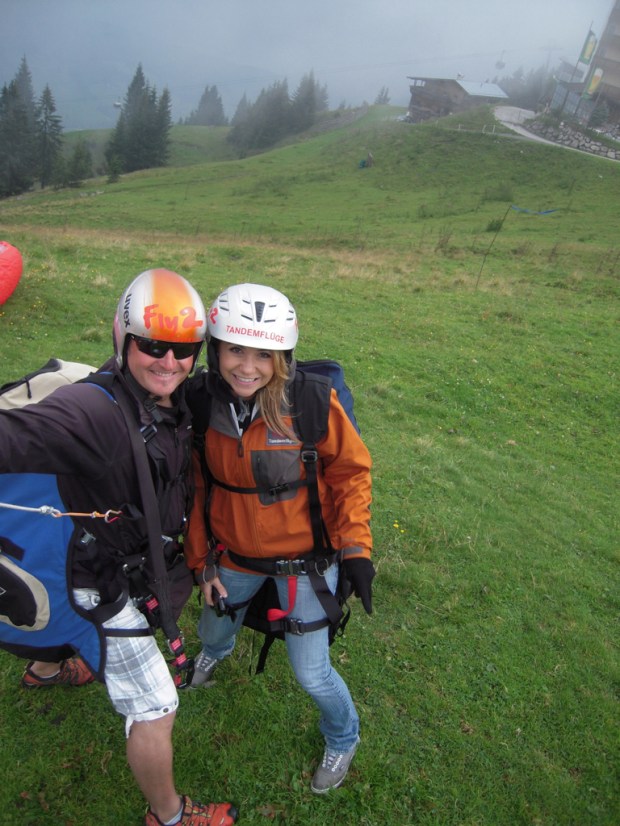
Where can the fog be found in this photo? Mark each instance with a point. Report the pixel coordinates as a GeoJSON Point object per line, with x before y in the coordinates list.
{"type": "Point", "coordinates": [87, 51]}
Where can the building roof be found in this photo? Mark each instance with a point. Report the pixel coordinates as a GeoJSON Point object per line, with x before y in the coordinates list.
{"type": "Point", "coordinates": [471, 87]}
{"type": "Point", "coordinates": [482, 90]}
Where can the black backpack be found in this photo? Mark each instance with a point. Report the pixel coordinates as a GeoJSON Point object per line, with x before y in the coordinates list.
{"type": "Point", "coordinates": [310, 399]}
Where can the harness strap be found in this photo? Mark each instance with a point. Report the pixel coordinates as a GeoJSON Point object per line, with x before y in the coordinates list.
{"type": "Point", "coordinates": [285, 625]}
{"type": "Point", "coordinates": [310, 456]}
{"type": "Point", "coordinates": [161, 605]}
{"type": "Point", "coordinates": [311, 565]}
{"type": "Point", "coordinates": [307, 564]}
{"type": "Point", "coordinates": [328, 601]}
{"type": "Point", "coordinates": [274, 614]}
{"type": "Point", "coordinates": [272, 490]}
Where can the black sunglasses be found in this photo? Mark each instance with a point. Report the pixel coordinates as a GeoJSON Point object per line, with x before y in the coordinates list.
{"type": "Point", "coordinates": [158, 349]}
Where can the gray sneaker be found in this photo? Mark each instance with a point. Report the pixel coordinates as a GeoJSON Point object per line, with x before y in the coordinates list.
{"type": "Point", "coordinates": [333, 769]}
{"type": "Point", "coordinates": [204, 666]}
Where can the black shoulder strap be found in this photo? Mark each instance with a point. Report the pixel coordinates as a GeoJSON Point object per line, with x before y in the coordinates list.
{"type": "Point", "coordinates": [152, 518]}
{"type": "Point", "coordinates": [310, 399]}
{"type": "Point", "coordinates": [161, 584]}
{"type": "Point", "coordinates": [199, 402]}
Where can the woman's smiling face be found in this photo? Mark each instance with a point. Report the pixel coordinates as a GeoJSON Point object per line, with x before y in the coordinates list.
{"type": "Point", "coordinates": [244, 369]}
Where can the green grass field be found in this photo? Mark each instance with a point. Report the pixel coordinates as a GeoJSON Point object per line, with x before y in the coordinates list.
{"type": "Point", "coordinates": [483, 357]}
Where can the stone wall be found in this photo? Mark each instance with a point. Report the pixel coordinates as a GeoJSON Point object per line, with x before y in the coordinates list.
{"type": "Point", "coordinates": [567, 136]}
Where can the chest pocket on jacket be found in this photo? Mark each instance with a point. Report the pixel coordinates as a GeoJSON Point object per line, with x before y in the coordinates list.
{"type": "Point", "coordinates": [273, 470]}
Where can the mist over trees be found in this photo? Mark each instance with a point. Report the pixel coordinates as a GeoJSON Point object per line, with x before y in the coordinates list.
{"type": "Point", "coordinates": [210, 111]}
{"type": "Point", "coordinates": [31, 135]}
{"type": "Point", "coordinates": [528, 91]}
{"type": "Point", "coordinates": [32, 146]}
{"type": "Point", "coordinates": [275, 114]}
{"type": "Point", "coordinates": [32, 141]}
{"type": "Point", "coordinates": [383, 98]}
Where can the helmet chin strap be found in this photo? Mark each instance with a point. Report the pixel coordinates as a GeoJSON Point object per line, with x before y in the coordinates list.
{"type": "Point", "coordinates": [149, 401]}
{"type": "Point", "coordinates": [212, 355]}
{"type": "Point", "coordinates": [196, 357]}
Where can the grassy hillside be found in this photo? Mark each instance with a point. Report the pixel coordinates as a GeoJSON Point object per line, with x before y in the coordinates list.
{"type": "Point", "coordinates": [483, 360]}
{"type": "Point", "coordinates": [431, 188]}
{"type": "Point", "coordinates": [188, 145]}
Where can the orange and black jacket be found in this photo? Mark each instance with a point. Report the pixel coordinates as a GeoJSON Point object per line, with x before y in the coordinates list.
{"type": "Point", "coordinates": [267, 524]}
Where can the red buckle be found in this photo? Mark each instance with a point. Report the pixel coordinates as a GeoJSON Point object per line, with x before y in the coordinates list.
{"type": "Point", "coordinates": [274, 614]}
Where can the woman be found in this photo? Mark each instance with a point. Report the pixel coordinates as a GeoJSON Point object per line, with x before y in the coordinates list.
{"type": "Point", "coordinates": [258, 512]}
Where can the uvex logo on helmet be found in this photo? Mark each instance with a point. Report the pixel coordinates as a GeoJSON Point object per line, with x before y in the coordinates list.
{"type": "Point", "coordinates": [126, 317]}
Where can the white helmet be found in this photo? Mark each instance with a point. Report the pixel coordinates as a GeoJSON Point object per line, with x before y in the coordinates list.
{"type": "Point", "coordinates": [162, 306]}
{"type": "Point", "coordinates": [253, 315]}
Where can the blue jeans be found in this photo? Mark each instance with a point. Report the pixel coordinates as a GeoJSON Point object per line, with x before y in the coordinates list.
{"type": "Point", "coordinates": [308, 653]}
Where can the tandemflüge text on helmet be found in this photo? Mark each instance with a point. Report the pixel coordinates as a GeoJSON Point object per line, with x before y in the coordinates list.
{"type": "Point", "coordinates": [267, 335]}
{"type": "Point", "coordinates": [254, 315]}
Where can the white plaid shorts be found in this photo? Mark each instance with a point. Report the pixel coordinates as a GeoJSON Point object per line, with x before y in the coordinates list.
{"type": "Point", "coordinates": [137, 676]}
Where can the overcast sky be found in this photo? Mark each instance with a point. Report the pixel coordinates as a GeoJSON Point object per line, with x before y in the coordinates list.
{"type": "Point", "coordinates": [88, 50]}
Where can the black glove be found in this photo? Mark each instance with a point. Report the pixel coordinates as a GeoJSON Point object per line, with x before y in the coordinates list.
{"type": "Point", "coordinates": [360, 572]}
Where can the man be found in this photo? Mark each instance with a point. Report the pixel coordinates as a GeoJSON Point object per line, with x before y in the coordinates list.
{"type": "Point", "coordinates": [79, 433]}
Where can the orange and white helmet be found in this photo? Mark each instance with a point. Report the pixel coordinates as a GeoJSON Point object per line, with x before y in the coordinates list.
{"type": "Point", "coordinates": [159, 305]}
{"type": "Point", "coordinates": [253, 315]}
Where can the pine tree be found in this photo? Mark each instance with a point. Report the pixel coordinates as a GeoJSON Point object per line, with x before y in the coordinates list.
{"type": "Point", "coordinates": [59, 177]}
{"type": "Point", "coordinates": [18, 126]}
{"type": "Point", "coordinates": [49, 137]}
{"type": "Point", "coordinates": [210, 111]}
{"type": "Point", "coordinates": [242, 111]}
{"type": "Point", "coordinates": [274, 115]}
{"type": "Point", "coordinates": [304, 104]}
{"type": "Point", "coordinates": [164, 124]}
{"type": "Point", "coordinates": [137, 125]}
{"type": "Point", "coordinates": [383, 98]}
{"type": "Point", "coordinates": [30, 135]}
{"type": "Point", "coordinates": [308, 100]}
{"type": "Point", "coordinates": [17, 169]}
{"type": "Point", "coordinates": [265, 122]}
{"type": "Point", "coordinates": [80, 165]}
{"type": "Point", "coordinates": [23, 80]}
{"type": "Point", "coordinates": [322, 98]}
{"type": "Point", "coordinates": [115, 149]}
{"type": "Point", "coordinates": [141, 137]}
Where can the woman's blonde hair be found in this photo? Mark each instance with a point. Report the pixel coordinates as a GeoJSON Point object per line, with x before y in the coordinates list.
{"type": "Point", "coordinates": [272, 400]}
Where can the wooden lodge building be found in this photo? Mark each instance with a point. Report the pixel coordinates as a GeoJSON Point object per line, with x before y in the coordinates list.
{"type": "Point", "coordinates": [434, 97]}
